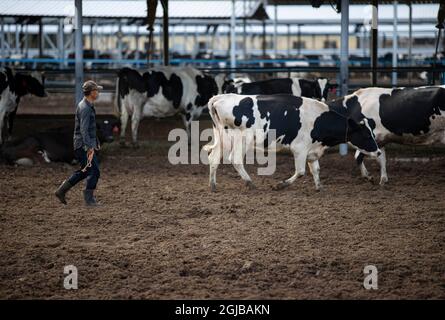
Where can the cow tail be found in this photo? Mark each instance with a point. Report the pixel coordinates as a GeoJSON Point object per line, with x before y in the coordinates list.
{"type": "Point", "coordinates": [216, 137]}
{"type": "Point", "coordinates": [117, 99]}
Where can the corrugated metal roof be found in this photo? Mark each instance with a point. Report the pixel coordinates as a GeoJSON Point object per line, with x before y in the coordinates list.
{"type": "Point", "coordinates": [303, 2]}
{"type": "Point", "coordinates": [121, 9]}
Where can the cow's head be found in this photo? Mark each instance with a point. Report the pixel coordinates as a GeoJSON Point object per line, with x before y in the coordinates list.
{"type": "Point", "coordinates": [25, 84]}
{"type": "Point", "coordinates": [228, 86]}
{"type": "Point", "coordinates": [325, 88]}
{"type": "Point", "coordinates": [106, 129]}
{"type": "Point", "coordinates": [361, 136]}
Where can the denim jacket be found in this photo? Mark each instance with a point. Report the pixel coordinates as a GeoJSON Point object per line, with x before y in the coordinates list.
{"type": "Point", "coordinates": [85, 126]}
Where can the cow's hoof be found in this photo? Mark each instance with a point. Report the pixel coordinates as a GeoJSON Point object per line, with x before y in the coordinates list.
{"type": "Point", "coordinates": [383, 180]}
{"type": "Point", "coordinates": [318, 188]}
{"type": "Point", "coordinates": [368, 178]}
{"type": "Point", "coordinates": [281, 185]}
{"type": "Point", "coordinates": [250, 185]}
{"type": "Point", "coordinates": [213, 187]}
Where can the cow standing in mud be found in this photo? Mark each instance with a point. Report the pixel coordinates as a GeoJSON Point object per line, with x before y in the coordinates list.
{"type": "Point", "coordinates": [411, 116]}
{"type": "Point", "coordinates": [162, 92]}
{"type": "Point", "coordinates": [305, 126]}
{"type": "Point", "coordinates": [13, 86]}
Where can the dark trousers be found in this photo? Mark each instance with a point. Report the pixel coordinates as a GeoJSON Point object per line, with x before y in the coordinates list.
{"type": "Point", "coordinates": [92, 173]}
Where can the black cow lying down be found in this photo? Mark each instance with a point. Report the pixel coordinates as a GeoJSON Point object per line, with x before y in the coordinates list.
{"type": "Point", "coordinates": [52, 145]}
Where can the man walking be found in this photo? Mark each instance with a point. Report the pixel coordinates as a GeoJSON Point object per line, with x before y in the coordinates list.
{"type": "Point", "coordinates": [85, 145]}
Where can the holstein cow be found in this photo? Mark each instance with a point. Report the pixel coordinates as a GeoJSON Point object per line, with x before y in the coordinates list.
{"type": "Point", "coordinates": [316, 89]}
{"type": "Point", "coordinates": [412, 116]}
{"type": "Point", "coordinates": [305, 126]}
{"type": "Point", "coordinates": [13, 86]}
{"type": "Point", "coordinates": [161, 92]}
{"type": "Point", "coordinates": [52, 145]}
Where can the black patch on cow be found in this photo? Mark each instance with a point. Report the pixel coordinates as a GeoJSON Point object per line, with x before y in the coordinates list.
{"type": "Point", "coordinates": [152, 82]}
{"type": "Point", "coordinates": [3, 81]}
{"type": "Point", "coordinates": [330, 128]}
{"type": "Point", "coordinates": [189, 106]}
{"type": "Point", "coordinates": [310, 89]}
{"type": "Point", "coordinates": [360, 158]}
{"type": "Point", "coordinates": [408, 110]}
{"type": "Point", "coordinates": [244, 109]}
{"type": "Point", "coordinates": [130, 79]}
{"type": "Point", "coordinates": [187, 116]}
{"type": "Point", "coordinates": [335, 127]}
{"type": "Point", "coordinates": [228, 87]}
{"type": "Point", "coordinates": [172, 89]}
{"type": "Point", "coordinates": [353, 108]}
{"type": "Point", "coordinates": [265, 87]}
{"type": "Point", "coordinates": [283, 115]}
{"type": "Point", "coordinates": [327, 88]}
{"type": "Point", "coordinates": [25, 84]}
{"type": "Point", "coordinates": [207, 88]}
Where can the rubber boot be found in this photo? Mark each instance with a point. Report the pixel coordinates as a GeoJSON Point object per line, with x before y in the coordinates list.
{"type": "Point", "coordinates": [90, 200]}
{"type": "Point", "coordinates": [61, 192]}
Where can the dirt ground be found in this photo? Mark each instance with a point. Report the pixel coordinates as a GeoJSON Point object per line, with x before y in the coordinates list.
{"type": "Point", "coordinates": [162, 234]}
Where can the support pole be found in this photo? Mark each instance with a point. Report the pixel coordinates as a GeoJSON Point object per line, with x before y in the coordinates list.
{"type": "Point", "coordinates": [264, 44]}
{"type": "Point", "coordinates": [41, 45]}
{"type": "Point", "coordinates": [27, 41]}
{"type": "Point", "coordinates": [91, 37]}
{"type": "Point", "coordinates": [60, 43]}
{"type": "Point", "coordinates": [78, 50]}
{"type": "Point", "coordinates": [394, 44]}
{"type": "Point", "coordinates": [288, 41]}
{"type": "Point", "coordinates": [299, 39]}
{"type": "Point", "coordinates": [95, 40]}
{"type": "Point", "coordinates": [245, 30]}
{"type": "Point", "coordinates": [17, 39]}
{"type": "Point", "coordinates": [2, 39]}
{"type": "Point", "coordinates": [119, 40]}
{"type": "Point", "coordinates": [410, 40]}
{"type": "Point", "coordinates": [137, 55]}
{"type": "Point", "coordinates": [185, 40]}
{"type": "Point", "coordinates": [344, 57]}
{"type": "Point", "coordinates": [374, 41]}
{"type": "Point", "coordinates": [233, 37]}
{"type": "Point", "coordinates": [275, 31]}
{"type": "Point", "coordinates": [410, 34]}
{"type": "Point", "coordinates": [165, 33]}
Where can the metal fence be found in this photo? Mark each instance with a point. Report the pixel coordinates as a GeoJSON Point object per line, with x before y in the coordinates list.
{"type": "Point", "coordinates": [63, 80]}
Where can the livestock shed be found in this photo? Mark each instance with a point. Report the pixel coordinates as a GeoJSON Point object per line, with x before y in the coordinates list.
{"type": "Point", "coordinates": [222, 150]}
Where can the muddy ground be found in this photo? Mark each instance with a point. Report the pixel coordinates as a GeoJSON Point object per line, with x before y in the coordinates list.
{"type": "Point", "coordinates": [161, 233]}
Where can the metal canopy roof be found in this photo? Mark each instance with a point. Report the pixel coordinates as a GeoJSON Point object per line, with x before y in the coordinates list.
{"type": "Point", "coordinates": [193, 9]}
{"type": "Point", "coordinates": [326, 2]}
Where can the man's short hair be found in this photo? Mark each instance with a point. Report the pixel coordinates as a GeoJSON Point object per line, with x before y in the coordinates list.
{"type": "Point", "coordinates": [89, 86]}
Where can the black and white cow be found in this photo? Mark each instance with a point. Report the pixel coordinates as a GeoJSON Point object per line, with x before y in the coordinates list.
{"type": "Point", "coordinates": [414, 116]}
{"type": "Point", "coordinates": [315, 89]}
{"type": "Point", "coordinates": [306, 127]}
{"type": "Point", "coordinates": [13, 86]}
{"type": "Point", "coordinates": [161, 92]}
{"type": "Point", "coordinates": [52, 145]}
